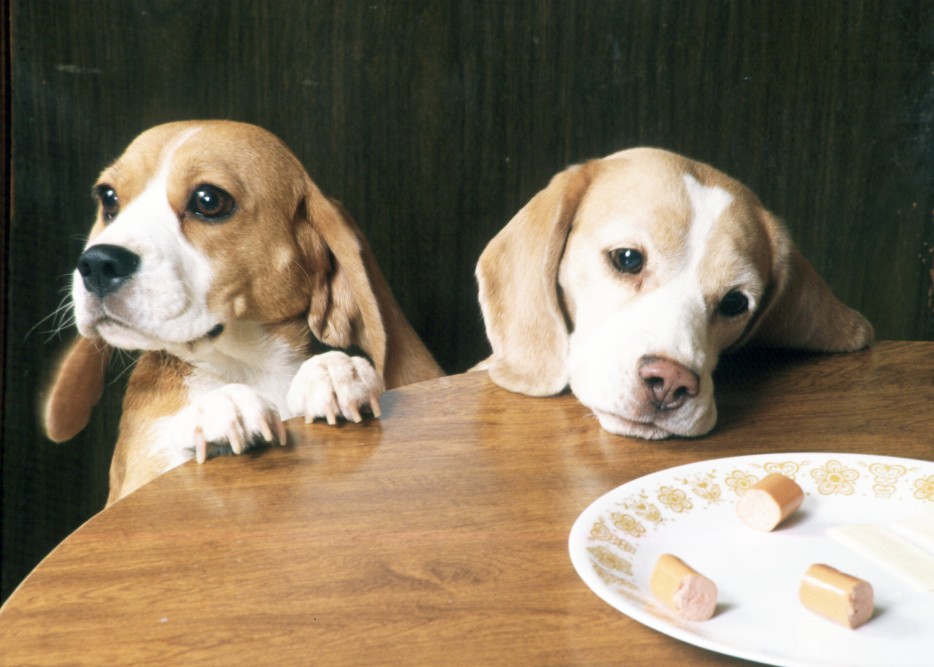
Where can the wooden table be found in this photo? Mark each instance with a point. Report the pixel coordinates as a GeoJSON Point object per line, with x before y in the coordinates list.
{"type": "Point", "coordinates": [435, 535]}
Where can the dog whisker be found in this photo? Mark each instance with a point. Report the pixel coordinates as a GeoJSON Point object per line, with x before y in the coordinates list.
{"type": "Point", "coordinates": [129, 361]}
{"type": "Point", "coordinates": [62, 318]}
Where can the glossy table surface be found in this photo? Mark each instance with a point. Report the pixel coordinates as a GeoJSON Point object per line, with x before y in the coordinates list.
{"type": "Point", "coordinates": [437, 534]}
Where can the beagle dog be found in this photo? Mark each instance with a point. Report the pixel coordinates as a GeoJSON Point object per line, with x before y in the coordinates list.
{"type": "Point", "coordinates": [626, 278]}
{"type": "Point", "coordinates": [247, 291]}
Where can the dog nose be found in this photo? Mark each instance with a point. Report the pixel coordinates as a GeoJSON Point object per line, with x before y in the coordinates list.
{"type": "Point", "coordinates": [668, 384]}
{"type": "Point", "coordinates": [104, 268]}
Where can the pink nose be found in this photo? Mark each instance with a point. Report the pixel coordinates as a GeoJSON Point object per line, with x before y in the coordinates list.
{"type": "Point", "coordinates": [667, 383]}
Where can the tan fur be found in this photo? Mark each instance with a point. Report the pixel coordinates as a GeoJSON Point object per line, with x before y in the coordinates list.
{"type": "Point", "coordinates": [78, 387]}
{"type": "Point", "coordinates": [517, 274]}
{"type": "Point", "coordinates": [289, 258]}
{"type": "Point", "coordinates": [154, 390]}
{"type": "Point", "coordinates": [532, 273]}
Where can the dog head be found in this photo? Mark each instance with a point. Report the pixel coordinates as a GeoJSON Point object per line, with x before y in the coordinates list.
{"type": "Point", "coordinates": [203, 224]}
{"type": "Point", "coordinates": [205, 227]}
{"type": "Point", "coordinates": [628, 276]}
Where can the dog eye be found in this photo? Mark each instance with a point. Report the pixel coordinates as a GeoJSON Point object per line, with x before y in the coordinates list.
{"type": "Point", "coordinates": [627, 260]}
{"type": "Point", "coordinates": [733, 304]}
{"type": "Point", "coordinates": [210, 203]}
{"type": "Point", "coordinates": [110, 203]}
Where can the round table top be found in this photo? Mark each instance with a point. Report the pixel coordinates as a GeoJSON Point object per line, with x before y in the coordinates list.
{"type": "Point", "coordinates": [437, 534]}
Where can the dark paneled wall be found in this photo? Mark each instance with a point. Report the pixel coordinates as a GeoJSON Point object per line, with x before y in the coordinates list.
{"type": "Point", "coordinates": [434, 122]}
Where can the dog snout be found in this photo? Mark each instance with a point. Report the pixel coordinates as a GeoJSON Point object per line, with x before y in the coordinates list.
{"type": "Point", "coordinates": [668, 384]}
{"type": "Point", "coordinates": [104, 268]}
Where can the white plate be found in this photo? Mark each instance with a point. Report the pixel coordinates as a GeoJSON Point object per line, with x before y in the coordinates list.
{"type": "Point", "coordinates": [689, 511]}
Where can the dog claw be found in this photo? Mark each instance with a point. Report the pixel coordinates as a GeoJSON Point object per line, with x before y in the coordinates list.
{"type": "Point", "coordinates": [201, 446]}
{"type": "Point", "coordinates": [236, 443]}
{"type": "Point", "coordinates": [374, 405]}
{"type": "Point", "coordinates": [266, 432]}
{"type": "Point", "coordinates": [281, 436]}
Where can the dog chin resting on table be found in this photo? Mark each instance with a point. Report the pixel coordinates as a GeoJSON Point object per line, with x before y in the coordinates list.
{"type": "Point", "coordinates": [250, 293]}
{"type": "Point", "coordinates": [628, 276]}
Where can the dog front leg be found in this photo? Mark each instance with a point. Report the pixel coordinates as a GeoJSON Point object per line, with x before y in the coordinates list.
{"type": "Point", "coordinates": [232, 416]}
{"type": "Point", "coordinates": [335, 384]}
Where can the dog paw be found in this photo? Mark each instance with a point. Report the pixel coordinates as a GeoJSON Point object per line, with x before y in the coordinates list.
{"type": "Point", "coordinates": [333, 385]}
{"type": "Point", "coordinates": [233, 416]}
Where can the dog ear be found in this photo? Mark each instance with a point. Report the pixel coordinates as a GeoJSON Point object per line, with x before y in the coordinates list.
{"type": "Point", "coordinates": [518, 283]}
{"type": "Point", "coordinates": [351, 303]}
{"type": "Point", "coordinates": [76, 388]}
{"type": "Point", "coordinates": [802, 311]}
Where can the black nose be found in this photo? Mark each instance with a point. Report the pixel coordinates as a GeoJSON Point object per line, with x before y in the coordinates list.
{"type": "Point", "coordinates": [104, 268]}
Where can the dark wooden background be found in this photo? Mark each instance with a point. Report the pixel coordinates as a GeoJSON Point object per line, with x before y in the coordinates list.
{"type": "Point", "coordinates": [434, 122]}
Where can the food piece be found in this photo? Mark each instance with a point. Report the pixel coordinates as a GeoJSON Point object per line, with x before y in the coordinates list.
{"type": "Point", "coordinates": [890, 550]}
{"type": "Point", "coordinates": [688, 593]}
{"type": "Point", "coordinates": [919, 529]}
{"type": "Point", "coordinates": [769, 502]}
{"type": "Point", "coordinates": [836, 596]}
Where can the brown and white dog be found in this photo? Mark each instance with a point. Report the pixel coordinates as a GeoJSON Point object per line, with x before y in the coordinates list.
{"type": "Point", "coordinates": [627, 277]}
{"type": "Point", "coordinates": [215, 253]}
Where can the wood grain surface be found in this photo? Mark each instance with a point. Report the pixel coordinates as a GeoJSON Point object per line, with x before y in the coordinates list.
{"type": "Point", "coordinates": [435, 535]}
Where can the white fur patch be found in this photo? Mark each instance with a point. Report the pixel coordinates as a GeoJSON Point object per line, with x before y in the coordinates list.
{"type": "Point", "coordinates": [243, 354]}
{"type": "Point", "coordinates": [707, 204]}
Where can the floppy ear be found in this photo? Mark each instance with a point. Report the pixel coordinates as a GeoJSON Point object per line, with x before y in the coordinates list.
{"type": "Point", "coordinates": [518, 280]}
{"type": "Point", "coordinates": [802, 312]}
{"type": "Point", "coordinates": [351, 303]}
{"type": "Point", "coordinates": [76, 389]}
